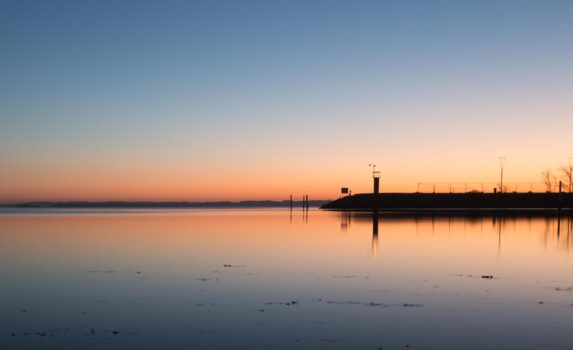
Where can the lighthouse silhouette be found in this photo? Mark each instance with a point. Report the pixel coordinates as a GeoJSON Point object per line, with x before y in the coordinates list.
{"type": "Point", "coordinates": [376, 178]}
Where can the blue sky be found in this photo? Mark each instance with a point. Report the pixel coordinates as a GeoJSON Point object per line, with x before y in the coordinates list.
{"type": "Point", "coordinates": [223, 86]}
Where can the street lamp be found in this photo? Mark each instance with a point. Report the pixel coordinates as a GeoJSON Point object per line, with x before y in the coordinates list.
{"type": "Point", "coordinates": [570, 171]}
{"type": "Point", "coordinates": [501, 164]}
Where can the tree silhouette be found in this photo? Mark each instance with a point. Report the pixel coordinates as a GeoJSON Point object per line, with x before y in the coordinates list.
{"type": "Point", "coordinates": [566, 176]}
{"type": "Point", "coordinates": [549, 179]}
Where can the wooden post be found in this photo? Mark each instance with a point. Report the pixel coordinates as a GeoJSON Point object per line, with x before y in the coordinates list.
{"type": "Point", "coordinates": [291, 202]}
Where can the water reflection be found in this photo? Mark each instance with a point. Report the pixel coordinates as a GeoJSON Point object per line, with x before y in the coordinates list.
{"type": "Point", "coordinates": [278, 279]}
{"type": "Point", "coordinates": [557, 229]}
{"type": "Point", "coordinates": [375, 220]}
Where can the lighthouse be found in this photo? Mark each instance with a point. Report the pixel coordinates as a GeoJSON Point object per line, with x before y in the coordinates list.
{"type": "Point", "coordinates": [376, 178]}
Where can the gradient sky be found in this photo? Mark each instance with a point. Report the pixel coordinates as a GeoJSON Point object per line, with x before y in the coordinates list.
{"type": "Point", "coordinates": [208, 100]}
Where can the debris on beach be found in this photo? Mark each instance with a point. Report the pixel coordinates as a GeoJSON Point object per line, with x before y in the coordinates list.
{"type": "Point", "coordinates": [38, 334]}
{"type": "Point", "coordinates": [344, 276]}
{"type": "Point", "coordinates": [412, 305]}
{"type": "Point", "coordinates": [371, 303]}
{"type": "Point", "coordinates": [489, 277]}
{"type": "Point", "coordinates": [101, 271]}
{"type": "Point", "coordinates": [288, 303]}
{"type": "Point", "coordinates": [348, 277]}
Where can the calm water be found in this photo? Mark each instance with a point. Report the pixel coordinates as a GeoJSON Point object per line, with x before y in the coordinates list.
{"type": "Point", "coordinates": [266, 279]}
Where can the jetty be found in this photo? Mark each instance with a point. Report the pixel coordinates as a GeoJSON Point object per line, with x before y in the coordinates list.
{"type": "Point", "coordinates": [454, 202]}
{"type": "Point", "coordinates": [474, 201]}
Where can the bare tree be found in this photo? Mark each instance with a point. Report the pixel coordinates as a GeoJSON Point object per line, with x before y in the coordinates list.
{"type": "Point", "coordinates": [555, 181]}
{"type": "Point", "coordinates": [548, 179]}
{"type": "Point", "coordinates": [566, 176]}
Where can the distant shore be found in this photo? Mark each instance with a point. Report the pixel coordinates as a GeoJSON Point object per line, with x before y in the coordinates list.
{"type": "Point", "coordinates": [159, 204]}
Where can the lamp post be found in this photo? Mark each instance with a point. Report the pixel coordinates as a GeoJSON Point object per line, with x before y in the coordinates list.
{"type": "Point", "coordinates": [570, 171]}
{"type": "Point", "coordinates": [501, 164]}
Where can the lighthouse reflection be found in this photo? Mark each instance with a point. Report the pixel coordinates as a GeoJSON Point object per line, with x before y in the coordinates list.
{"type": "Point", "coordinates": [346, 220]}
{"type": "Point", "coordinates": [554, 230]}
{"type": "Point", "coordinates": [375, 219]}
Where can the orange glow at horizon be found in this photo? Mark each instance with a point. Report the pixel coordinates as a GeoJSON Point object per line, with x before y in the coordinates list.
{"type": "Point", "coordinates": [256, 181]}
{"type": "Point", "coordinates": [255, 189]}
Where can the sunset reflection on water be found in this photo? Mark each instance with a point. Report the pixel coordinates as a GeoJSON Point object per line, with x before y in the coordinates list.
{"type": "Point", "coordinates": [280, 279]}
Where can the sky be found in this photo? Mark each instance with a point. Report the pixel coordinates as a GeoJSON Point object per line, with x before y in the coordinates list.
{"type": "Point", "coordinates": [230, 100]}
